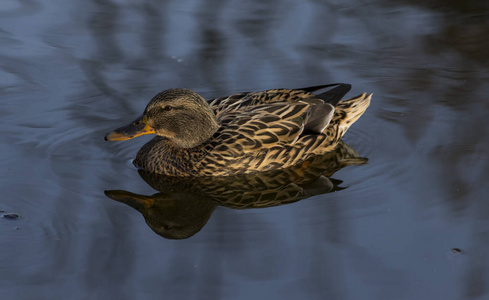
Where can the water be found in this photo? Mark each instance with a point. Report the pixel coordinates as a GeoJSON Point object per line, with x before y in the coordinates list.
{"type": "Point", "coordinates": [411, 224]}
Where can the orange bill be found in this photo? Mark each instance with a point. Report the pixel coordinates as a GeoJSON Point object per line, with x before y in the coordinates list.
{"type": "Point", "coordinates": [136, 128]}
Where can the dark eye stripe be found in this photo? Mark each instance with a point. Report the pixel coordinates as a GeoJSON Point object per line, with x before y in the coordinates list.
{"type": "Point", "coordinates": [162, 110]}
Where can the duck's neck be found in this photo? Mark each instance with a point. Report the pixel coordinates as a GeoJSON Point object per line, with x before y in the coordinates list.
{"type": "Point", "coordinates": [162, 156]}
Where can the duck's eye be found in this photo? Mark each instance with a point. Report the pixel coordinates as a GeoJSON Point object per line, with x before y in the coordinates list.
{"type": "Point", "coordinates": [167, 108]}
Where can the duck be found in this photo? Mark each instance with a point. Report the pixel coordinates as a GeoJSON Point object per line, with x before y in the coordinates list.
{"type": "Point", "coordinates": [242, 133]}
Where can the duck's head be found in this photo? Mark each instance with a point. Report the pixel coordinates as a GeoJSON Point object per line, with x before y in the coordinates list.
{"type": "Point", "coordinates": [180, 115]}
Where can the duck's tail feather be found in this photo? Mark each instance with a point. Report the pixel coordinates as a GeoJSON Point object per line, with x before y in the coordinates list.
{"type": "Point", "coordinates": [347, 112]}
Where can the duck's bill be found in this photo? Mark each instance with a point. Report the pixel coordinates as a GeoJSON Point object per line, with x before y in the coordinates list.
{"type": "Point", "coordinates": [136, 128]}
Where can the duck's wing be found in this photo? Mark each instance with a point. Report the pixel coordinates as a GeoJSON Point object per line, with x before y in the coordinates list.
{"type": "Point", "coordinates": [269, 125]}
{"type": "Point", "coordinates": [246, 102]}
{"type": "Point", "coordinates": [262, 127]}
{"type": "Point", "coordinates": [269, 137]}
{"type": "Point", "coordinates": [250, 100]}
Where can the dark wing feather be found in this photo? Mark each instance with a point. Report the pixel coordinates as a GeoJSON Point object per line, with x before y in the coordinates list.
{"type": "Point", "coordinates": [311, 89]}
{"type": "Point", "coordinates": [334, 95]}
{"type": "Point", "coordinates": [321, 115]}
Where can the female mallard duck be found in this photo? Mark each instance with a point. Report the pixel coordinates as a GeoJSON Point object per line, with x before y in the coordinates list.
{"type": "Point", "coordinates": [241, 133]}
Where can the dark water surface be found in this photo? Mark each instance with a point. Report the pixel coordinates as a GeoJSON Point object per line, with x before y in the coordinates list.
{"type": "Point", "coordinates": [413, 223]}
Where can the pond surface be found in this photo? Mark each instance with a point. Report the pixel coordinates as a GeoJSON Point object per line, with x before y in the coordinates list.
{"type": "Point", "coordinates": [412, 223]}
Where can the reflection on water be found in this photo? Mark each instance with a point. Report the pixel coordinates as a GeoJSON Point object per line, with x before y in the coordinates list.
{"type": "Point", "coordinates": [184, 205]}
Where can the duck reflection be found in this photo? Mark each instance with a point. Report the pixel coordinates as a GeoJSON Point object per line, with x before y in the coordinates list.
{"type": "Point", "coordinates": [184, 205]}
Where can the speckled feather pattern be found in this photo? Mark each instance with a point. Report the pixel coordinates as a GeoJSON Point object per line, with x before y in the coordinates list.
{"type": "Point", "coordinates": [264, 189]}
{"type": "Point", "coordinates": [259, 131]}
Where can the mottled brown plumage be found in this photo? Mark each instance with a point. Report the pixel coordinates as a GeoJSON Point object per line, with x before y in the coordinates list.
{"type": "Point", "coordinates": [183, 205]}
{"type": "Point", "coordinates": [241, 133]}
